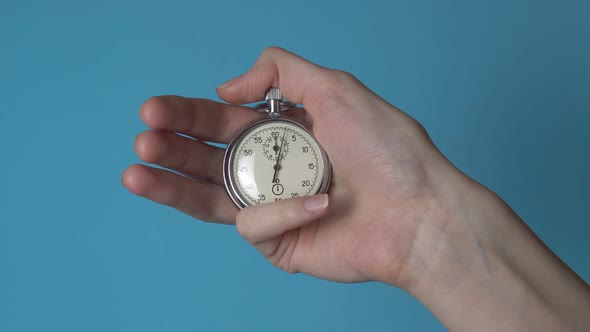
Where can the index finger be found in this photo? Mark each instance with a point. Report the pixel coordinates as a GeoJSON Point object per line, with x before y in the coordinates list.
{"type": "Point", "coordinates": [203, 119]}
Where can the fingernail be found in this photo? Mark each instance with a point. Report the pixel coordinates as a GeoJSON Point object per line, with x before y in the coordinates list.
{"type": "Point", "coordinates": [316, 203]}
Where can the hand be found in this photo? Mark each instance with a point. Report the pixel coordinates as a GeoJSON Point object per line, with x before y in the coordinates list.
{"type": "Point", "coordinates": [397, 210]}
{"type": "Point", "coordinates": [386, 173]}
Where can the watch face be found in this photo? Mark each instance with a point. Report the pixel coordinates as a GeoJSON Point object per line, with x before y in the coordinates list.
{"type": "Point", "coordinates": [274, 159]}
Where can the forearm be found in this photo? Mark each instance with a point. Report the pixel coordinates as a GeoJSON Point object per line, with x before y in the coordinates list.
{"type": "Point", "coordinates": [491, 273]}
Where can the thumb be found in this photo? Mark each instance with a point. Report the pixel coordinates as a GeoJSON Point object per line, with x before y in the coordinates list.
{"type": "Point", "coordinates": [263, 225]}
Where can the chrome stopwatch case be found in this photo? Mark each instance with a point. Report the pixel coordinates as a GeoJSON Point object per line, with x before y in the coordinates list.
{"type": "Point", "coordinates": [274, 158]}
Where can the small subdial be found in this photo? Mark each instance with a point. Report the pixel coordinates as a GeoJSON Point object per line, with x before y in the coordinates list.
{"type": "Point", "coordinates": [272, 146]}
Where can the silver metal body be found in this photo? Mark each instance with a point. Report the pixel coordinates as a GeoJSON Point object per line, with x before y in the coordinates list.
{"type": "Point", "coordinates": [274, 107]}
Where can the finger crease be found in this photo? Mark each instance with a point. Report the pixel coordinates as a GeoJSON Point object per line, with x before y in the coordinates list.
{"type": "Point", "coordinates": [276, 248]}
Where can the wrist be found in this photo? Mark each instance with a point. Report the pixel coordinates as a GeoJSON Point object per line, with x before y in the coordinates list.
{"type": "Point", "coordinates": [453, 234]}
{"type": "Point", "coordinates": [457, 256]}
{"type": "Point", "coordinates": [475, 263]}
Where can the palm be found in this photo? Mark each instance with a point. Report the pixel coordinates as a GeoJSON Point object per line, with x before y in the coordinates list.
{"type": "Point", "coordinates": [369, 173]}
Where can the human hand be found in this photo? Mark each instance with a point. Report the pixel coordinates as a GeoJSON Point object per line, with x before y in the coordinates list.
{"type": "Point", "coordinates": [397, 210]}
{"type": "Point", "coordinates": [386, 172]}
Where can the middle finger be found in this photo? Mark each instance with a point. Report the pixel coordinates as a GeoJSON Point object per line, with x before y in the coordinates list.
{"type": "Point", "coordinates": [203, 119]}
{"type": "Point", "coordinates": [193, 158]}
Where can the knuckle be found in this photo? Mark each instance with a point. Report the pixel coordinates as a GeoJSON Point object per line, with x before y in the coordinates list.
{"type": "Point", "coordinates": [421, 130]}
{"type": "Point", "coordinates": [343, 77]}
{"type": "Point", "coordinates": [273, 51]}
{"type": "Point", "coordinates": [287, 212]}
{"type": "Point", "coordinates": [338, 81]}
{"type": "Point", "coordinates": [174, 198]}
{"type": "Point", "coordinates": [184, 160]}
{"type": "Point", "coordinates": [337, 87]}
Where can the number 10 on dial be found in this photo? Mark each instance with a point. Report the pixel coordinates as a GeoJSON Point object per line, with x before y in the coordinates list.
{"type": "Point", "coordinates": [274, 158]}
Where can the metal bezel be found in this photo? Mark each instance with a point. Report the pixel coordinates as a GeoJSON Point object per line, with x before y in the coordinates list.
{"type": "Point", "coordinates": [231, 150]}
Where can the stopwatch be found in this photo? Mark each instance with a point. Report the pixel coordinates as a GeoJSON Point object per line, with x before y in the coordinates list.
{"type": "Point", "coordinates": [274, 157]}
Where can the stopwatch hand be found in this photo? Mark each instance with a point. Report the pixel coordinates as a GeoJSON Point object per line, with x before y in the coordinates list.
{"type": "Point", "coordinates": [277, 163]}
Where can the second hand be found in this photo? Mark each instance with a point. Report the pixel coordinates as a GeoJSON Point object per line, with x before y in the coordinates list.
{"type": "Point", "coordinates": [277, 165]}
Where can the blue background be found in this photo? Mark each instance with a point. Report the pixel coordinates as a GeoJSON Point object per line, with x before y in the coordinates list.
{"type": "Point", "coordinates": [502, 86]}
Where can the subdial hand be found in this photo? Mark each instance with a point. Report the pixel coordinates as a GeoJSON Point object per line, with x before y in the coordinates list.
{"type": "Point", "coordinates": [277, 165]}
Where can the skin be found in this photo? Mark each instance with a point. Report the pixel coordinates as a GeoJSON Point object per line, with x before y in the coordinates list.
{"type": "Point", "coordinates": [397, 212]}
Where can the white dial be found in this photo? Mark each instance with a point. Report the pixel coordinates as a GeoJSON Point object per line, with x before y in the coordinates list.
{"type": "Point", "coordinates": [275, 160]}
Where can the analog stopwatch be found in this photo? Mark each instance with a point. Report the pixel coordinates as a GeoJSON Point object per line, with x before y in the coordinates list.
{"type": "Point", "coordinates": [274, 158]}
